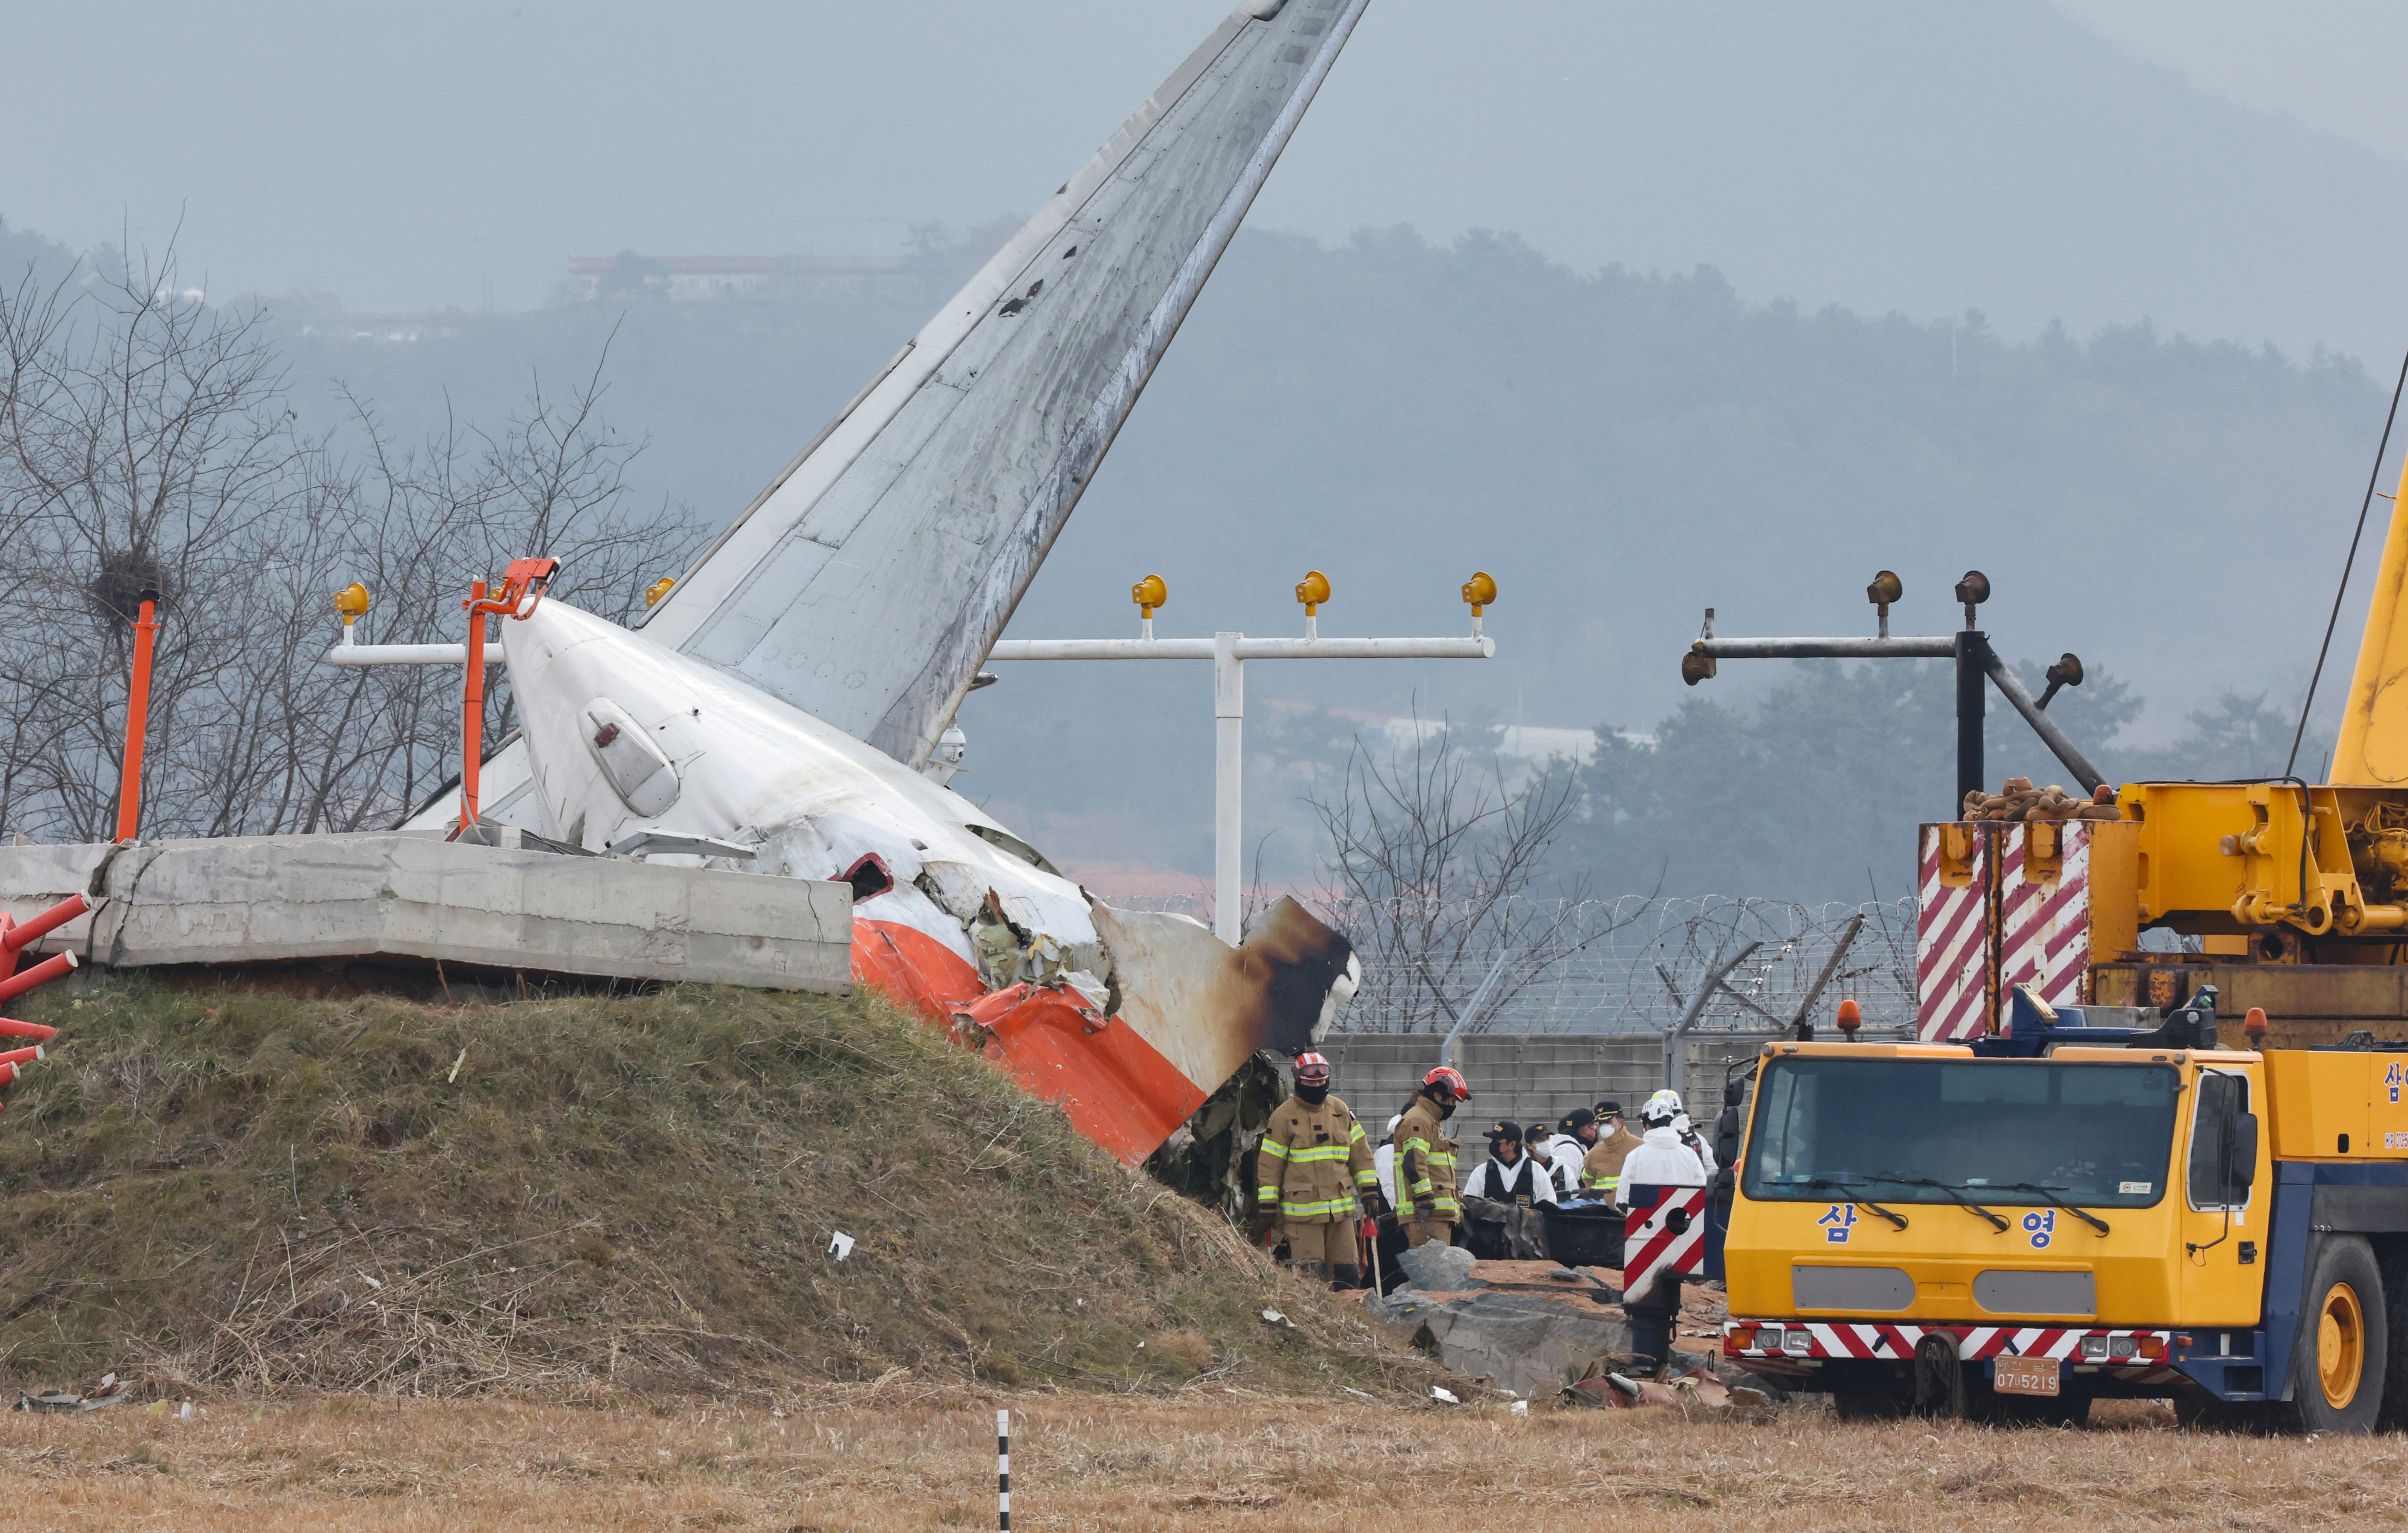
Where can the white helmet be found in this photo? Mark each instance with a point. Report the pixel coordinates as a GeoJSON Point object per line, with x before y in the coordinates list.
{"type": "Point", "coordinates": [1660, 1108]}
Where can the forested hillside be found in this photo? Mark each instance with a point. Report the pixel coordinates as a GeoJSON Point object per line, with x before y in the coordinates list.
{"type": "Point", "coordinates": [1621, 449]}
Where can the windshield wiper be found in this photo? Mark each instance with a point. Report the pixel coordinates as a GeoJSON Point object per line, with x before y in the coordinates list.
{"type": "Point", "coordinates": [2050, 1193]}
{"type": "Point", "coordinates": [1823, 1183]}
{"type": "Point", "coordinates": [1955, 1196]}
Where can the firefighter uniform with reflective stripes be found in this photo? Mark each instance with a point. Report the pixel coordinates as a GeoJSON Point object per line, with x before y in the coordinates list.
{"type": "Point", "coordinates": [1313, 1170]}
{"type": "Point", "coordinates": [1602, 1172]}
{"type": "Point", "coordinates": [1425, 1173]}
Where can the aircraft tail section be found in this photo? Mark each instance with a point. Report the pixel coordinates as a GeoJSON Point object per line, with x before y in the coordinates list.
{"type": "Point", "coordinates": [868, 582]}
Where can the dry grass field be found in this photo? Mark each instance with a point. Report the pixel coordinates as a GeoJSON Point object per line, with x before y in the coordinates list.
{"type": "Point", "coordinates": [1210, 1459]}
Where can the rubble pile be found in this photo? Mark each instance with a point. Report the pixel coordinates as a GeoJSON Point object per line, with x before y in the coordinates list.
{"type": "Point", "coordinates": [1535, 1328]}
{"type": "Point", "coordinates": [2018, 800]}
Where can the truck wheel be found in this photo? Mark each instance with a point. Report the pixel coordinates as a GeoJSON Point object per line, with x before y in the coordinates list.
{"type": "Point", "coordinates": [2340, 1356]}
{"type": "Point", "coordinates": [1940, 1385]}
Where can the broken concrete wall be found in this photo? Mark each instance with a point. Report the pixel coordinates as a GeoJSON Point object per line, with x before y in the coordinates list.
{"type": "Point", "coordinates": [254, 899]}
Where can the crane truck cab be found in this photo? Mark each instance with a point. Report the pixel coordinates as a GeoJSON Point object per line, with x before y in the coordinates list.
{"type": "Point", "coordinates": [2013, 1227]}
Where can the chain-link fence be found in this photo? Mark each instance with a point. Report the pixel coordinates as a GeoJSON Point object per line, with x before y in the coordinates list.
{"type": "Point", "coordinates": [1636, 964]}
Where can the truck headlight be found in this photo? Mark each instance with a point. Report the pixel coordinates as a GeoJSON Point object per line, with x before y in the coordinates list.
{"type": "Point", "coordinates": [2122, 1348]}
{"type": "Point", "coordinates": [1768, 1339]}
{"type": "Point", "coordinates": [2094, 1348]}
{"type": "Point", "coordinates": [1796, 1343]}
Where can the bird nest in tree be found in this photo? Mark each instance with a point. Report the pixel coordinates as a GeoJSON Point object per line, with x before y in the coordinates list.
{"type": "Point", "coordinates": [123, 581]}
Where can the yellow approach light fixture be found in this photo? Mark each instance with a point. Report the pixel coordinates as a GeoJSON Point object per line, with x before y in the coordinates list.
{"type": "Point", "coordinates": [351, 602]}
{"type": "Point", "coordinates": [1149, 593]}
{"type": "Point", "coordinates": [654, 591]}
{"type": "Point", "coordinates": [1480, 591]}
{"type": "Point", "coordinates": [1885, 589]}
{"type": "Point", "coordinates": [1313, 591]}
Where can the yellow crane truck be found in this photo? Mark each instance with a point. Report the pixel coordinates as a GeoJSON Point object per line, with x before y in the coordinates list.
{"type": "Point", "coordinates": [2015, 1226]}
{"type": "Point", "coordinates": [2066, 1188]}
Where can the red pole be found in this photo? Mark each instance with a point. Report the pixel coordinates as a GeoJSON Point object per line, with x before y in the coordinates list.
{"type": "Point", "coordinates": [40, 974]}
{"type": "Point", "coordinates": [14, 936]}
{"type": "Point", "coordinates": [138, 718]}
{"type": "Point", "coordinates": [472, 728]}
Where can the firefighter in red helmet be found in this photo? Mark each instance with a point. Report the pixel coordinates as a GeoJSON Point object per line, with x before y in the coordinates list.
{"type": "Point", "coordinates": [1425, 1158]}
{"type": "Point", "coordinates": [1313, 1175]}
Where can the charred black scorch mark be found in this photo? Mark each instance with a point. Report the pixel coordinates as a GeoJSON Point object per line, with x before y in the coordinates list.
{"type": "Point", "coordinates": [1021, 302]}
{"type": "Point", "coordinates": [1297, 959]}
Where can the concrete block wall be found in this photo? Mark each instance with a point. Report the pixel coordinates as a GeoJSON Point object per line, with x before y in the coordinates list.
{"type": "Point", "coordinates": [280, 898]}
{"type": "Point", "coordinates": [1527, 1077]}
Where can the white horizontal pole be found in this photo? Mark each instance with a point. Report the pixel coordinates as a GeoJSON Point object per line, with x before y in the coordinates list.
{"type": "Point", "coordinates": [407, 654]}
{"type": "Point", "coordinates": [1228, 653]}
{"type": "Point", "coordinates": [1247, 649]}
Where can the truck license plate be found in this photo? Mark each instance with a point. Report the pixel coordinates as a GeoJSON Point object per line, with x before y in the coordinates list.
{"type": "Point", "coordinates": [2025, 1376]}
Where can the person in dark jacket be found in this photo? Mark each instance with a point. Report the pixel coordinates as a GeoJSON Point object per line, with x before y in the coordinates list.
{"type": "Point", "coordinates": [1502, 1199]}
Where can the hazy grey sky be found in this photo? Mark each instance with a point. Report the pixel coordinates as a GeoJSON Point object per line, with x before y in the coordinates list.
{"type": "Point", "coordinates": [1880, 153]}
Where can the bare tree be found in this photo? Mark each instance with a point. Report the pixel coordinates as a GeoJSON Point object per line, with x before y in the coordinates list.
{"type": "Point", "coordinates": [147, 442]}
{"type": "Point", "coordinates": [1438, 859]}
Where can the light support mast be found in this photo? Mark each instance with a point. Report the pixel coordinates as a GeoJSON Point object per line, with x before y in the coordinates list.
{"type": "Point", "coordinates": [1970, 648]}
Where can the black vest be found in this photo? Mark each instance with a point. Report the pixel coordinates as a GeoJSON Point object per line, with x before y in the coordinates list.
{"type": "Point", "coordinates": [1511, 1186]}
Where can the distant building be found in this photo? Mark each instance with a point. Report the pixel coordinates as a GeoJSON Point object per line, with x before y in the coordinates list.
{"type": "Point", "coordinates": [691, 279]}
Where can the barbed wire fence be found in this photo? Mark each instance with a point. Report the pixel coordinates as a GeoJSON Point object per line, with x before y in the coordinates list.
{"type": "Point", "coordinates": [1633, 965]}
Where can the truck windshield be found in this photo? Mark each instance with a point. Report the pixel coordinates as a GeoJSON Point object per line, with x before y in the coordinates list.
{"type": "Point", "coordinates": [2097, 1136]}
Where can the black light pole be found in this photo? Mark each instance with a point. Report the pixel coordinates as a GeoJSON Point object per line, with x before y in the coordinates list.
{"type": "Point", "coordinates": [1972, 656]}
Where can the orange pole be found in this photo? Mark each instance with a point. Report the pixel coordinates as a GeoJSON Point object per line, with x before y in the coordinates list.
{"type": "Point", "coordinates": [472, 729]}
{"type": "Point", "coordinates": [137, 719]}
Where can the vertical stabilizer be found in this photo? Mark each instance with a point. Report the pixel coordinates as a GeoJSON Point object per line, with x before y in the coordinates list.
{"type": "Point", "coordinates": [866, 585]}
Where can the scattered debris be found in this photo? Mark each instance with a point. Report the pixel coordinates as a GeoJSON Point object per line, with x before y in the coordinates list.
{"type": "Point", "coordinates": [1440, 1268]}
{"type": "Point", "coordinates": [1272, 1317]}
{"type": "Point", "coordinates": [1438, 1394]}
{"type": "Point", "coordinates": [107, 1393]}
{"type": "Point", "coordinates": [841, 1245]}
{"type": "Point", "coordinates": [1698, 1389]}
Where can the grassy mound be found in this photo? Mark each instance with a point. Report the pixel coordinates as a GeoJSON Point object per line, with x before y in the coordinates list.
{"type": "Point", "coordinates": [245, 1190]}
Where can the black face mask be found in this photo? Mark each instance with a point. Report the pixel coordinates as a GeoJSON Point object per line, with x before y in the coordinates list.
{"type": "Point", "coordinates": [1313, 1095]}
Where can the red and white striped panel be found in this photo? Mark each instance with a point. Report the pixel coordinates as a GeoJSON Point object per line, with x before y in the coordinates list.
{"type": "Point", "coordinates": [2045, 925]}
{"type": "Point", "coordinates": [1652, 1246]}
{"type": "Point", "coordinates": [1883, 1341]}
{"type": "Point", "coordinates": [1952, 942]}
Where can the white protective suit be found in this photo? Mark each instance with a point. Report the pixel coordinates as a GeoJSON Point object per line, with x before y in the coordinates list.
{"type": "Point", "coordinates": [1662, 1160]}
{"type": "Point", "coordinates": [1384, 1160]}
{"type": "Point", "coordinates": [1565, 1154]}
